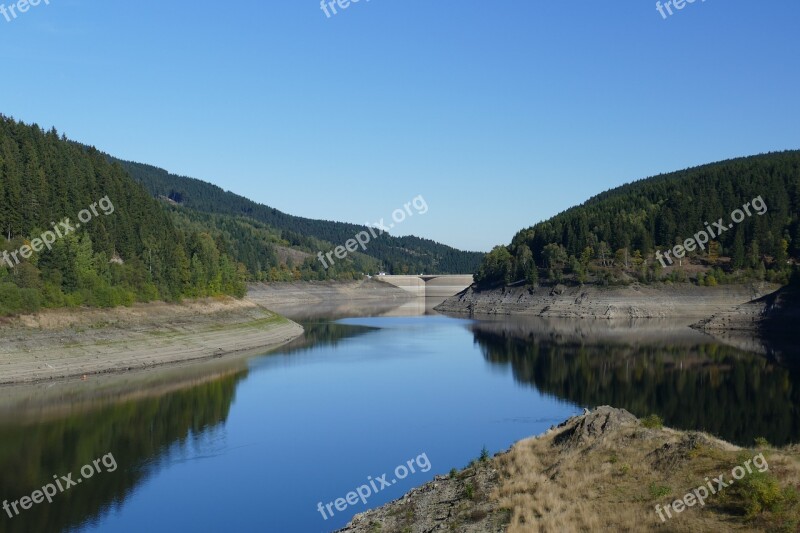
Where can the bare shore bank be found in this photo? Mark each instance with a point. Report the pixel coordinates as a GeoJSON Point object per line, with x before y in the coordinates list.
{"type": "Point", "coordinates": [309, 293]}
{"type": "Point", "coordinates": [684, 301]}
{"type": "Point", "coordinates": [73, 343]}
{"type": "Point", "coordinates": [331, 300]}
{"type": "Point", "coordinates": [59, 344]}
{"type": "Point", "coordinates": [766, 325]}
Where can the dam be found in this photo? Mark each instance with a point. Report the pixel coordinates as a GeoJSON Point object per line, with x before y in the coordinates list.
{"type": "Point", "coordinates": [430, 286]}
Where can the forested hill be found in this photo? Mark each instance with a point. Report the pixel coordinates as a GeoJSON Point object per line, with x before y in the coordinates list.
{"type": "Point", "coordinates": [614, 236]}
{"type": "Point", "coordinates": [397, 255]}
{"type": "Point", "coordinates": [118, 246]}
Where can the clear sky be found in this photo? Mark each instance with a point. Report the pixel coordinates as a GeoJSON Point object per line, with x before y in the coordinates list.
{"type": "Point", "coordinates": [499, 113]}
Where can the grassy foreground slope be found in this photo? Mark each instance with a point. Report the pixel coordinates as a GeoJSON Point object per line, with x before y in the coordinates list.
{"type": "Point", "coordinates": [606, 471]}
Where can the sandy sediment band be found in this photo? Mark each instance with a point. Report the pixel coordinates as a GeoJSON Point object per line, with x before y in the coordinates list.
{"type": "Point", "coordinates": [68, 343]}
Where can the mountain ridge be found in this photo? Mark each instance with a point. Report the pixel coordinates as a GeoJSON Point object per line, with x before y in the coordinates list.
{"type": "Point", "coordinates": [397, 255]}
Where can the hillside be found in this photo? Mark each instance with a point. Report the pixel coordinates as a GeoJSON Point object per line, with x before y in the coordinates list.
{"type": "Point", "coordinates": [77, 230]}
{"type": "Point", "coordinates": [267, 253]}
{"type": "Point", "coordinates": [82, 228]}
{"type": "Point", "coordinates": [717, 223]}
{"type": "Point", "coordinates": [606, 471]}
{"type": "Point", "coordinates": [395, 255]}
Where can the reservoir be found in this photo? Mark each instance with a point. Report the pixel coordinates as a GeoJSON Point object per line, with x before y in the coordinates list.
{"type": "Point", "coordinates": [257, 443]}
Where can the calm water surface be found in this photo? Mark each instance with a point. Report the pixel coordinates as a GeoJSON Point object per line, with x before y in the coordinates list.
{"type": "Point", "coordinates": [254, 445]}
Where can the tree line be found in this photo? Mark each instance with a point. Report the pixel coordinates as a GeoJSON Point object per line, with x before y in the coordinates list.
{"type": "Point", "coordinates": [394, 255]}
{"type": "Point", "coordinates": [613, 237]}
{"type": "Point", "coordinates": [135, 254]}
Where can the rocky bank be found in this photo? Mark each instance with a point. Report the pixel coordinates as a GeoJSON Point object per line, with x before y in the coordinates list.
{"type": "Point", "coordinates": [602, 471]}
{"type": "Point", "coordinates": [682, 300]}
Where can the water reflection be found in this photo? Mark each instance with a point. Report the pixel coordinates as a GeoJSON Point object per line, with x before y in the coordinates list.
{"type": "Point", "coordinates": [139, 433]}
{"type": "Point", "coordinates": [146, 419]}
{"type": "Point", "coordinates": [649, 367]}
{"type": "Point", "coordinates": [155, 419]}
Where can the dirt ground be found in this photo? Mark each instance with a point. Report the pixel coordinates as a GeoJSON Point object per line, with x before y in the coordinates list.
{"type": "Point", "coordinates": [58, 344]}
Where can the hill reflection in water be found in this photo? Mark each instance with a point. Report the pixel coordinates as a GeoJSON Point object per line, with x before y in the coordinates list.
{"type": "Point", "coordinates": [651, 366]}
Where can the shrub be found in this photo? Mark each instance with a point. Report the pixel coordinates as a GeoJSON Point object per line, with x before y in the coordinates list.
{"type": "Point", "coordinates": [31, 301]}
{"type": "Point", "coordinates": [758, 492]}
{"type": "Point", "coordinates": [10, 299]}
{"type": "Point", "coordinates": [52, 296]}
{"type": "Point", "coordinates": [484, 454]}
{"type": "Point", "coordinates": [14, 300]}
{"type": "Point", "coordinates": [652, 422]}
{"type": "Point", "coordinates": [659, 491]}
{"type": "Point", "coordinates": [469, 491]}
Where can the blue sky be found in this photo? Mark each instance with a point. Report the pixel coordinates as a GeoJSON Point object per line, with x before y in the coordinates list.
{"type": "Point", "coordinates": [499, 113]}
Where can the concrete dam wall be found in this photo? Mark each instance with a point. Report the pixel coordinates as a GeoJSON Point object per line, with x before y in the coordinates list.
{"type": "Point", "coordinates": [430, 286]}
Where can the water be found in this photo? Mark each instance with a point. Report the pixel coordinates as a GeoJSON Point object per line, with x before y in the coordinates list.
{"type": "Point", "coordinates": [255, 445]}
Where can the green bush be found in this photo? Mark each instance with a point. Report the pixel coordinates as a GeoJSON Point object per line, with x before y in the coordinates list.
{"type": "Point", "coordinates": [102, 296]}
{"type": "Point", "coordinates": [76, 299]}
{"type": "Point", "coordinates": [659, 491]}
{"type": "Point", "coordinates": [126, 297]}
{"type": "Point", "coordinates": [31, 300]}
{"type": "Point", "coordinates": [52, 296]}
{"type": "Point", "coordinates": [484, 454]}
{"type": "Point", "coordinates": [469, 491]}
{"type": "Point", "coordinates": [148, 292]}
{"type": "Point", "coordinates": [759, 492]}
{"type": "Point", "coordinates": [652, 422]}
{"type": "Point", "coordinates": [10, 299]}
{"type": "Point", "coordinates": [14, 301]}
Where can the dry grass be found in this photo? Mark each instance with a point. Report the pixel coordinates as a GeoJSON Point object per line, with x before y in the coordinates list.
{"type": "Point", "coordinates": [613, 481]}
{"type": "Point", "coordinates": [603, 471]}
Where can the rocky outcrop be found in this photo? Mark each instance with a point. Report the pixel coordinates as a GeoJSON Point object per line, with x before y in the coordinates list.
{"type": "Point", "coordinates": [766, 325]}
{"type": "Point", "coordinates": [465, 501]}
{"type": "Point", "coordinates": [459, 502]}
{"type": "Point", "coordinates": [592, 428]}
{"type": "Point", "coordinates": [683, 301]}
{"type": "Point", "coordinates": [604, 470]}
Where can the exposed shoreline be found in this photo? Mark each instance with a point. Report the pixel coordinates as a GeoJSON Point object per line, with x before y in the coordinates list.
{"type": "Point", "coordinates": [324, 292]}
{"type": "Point", "coordinates": [64, 344]}
{"type": "Point", "coordinates": [684, 301]}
